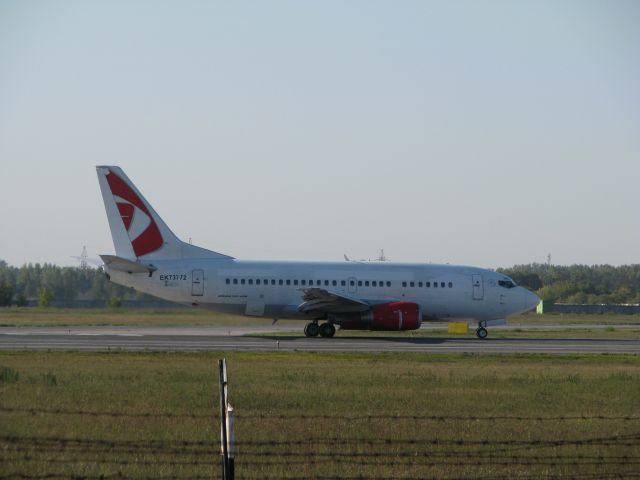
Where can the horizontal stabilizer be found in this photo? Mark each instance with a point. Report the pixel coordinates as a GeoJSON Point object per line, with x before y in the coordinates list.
{"type": "Point", "coordinates": [125, 265]}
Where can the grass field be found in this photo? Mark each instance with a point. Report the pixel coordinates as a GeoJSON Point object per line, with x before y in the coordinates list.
{"type": "Point", "coordinates": [604, 333]}
{"type": "Point", "coordinates": [546, 326]}
{"type": "Point", "coordinates": [526, 326]}
{"type": "Point", "coordinates": [153, 415]}
{"type": "Point", "coordinates": [53, 317]}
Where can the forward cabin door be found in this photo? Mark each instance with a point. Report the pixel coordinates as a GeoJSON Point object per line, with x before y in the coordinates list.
{"type": "Point", "coordinates": [197, 283]}
{"type": "Point", "coordinates": [478, 287]}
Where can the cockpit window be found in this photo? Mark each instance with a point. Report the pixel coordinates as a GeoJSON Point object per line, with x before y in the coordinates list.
{"type": "Point", "coordinates": [506, 283]}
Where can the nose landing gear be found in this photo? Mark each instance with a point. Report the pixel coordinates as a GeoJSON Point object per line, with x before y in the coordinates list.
{"type": "Point", "coordinates": [326, 330]}
{"type": "Point", "coordinates": [481, 333]}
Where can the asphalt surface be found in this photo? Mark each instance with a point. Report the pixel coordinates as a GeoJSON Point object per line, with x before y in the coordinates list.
{"type": "Point", "coordinates": [232, 339]}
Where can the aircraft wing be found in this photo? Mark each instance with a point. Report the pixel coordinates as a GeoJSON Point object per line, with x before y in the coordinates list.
{"type": "Point", "coordinates": [321, 300]}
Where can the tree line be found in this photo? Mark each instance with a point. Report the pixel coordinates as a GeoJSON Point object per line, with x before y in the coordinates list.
{"type": "Point", "coordinates": [46, 282]}
{"type": "Point", "coordinates": [582, 284]}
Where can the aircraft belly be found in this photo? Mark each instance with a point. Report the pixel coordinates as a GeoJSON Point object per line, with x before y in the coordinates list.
{"type": "Point", "coordinates": [231, 309]}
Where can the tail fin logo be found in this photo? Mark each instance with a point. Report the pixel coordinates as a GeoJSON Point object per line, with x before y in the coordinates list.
{"type": "Point", "coordinates": [143, 232]}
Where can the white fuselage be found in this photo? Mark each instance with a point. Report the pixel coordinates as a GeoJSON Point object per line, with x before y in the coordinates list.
{"type": "Point", "coordinates": [274, 289]}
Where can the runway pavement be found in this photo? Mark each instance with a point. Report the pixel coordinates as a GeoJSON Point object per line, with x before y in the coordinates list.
{"type": "Point", "coordinates": [233, 339]}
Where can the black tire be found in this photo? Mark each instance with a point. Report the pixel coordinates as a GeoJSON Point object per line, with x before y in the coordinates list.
{"type": "Point", "coordinates": [481, 333]}
{"type": "Point", "coordinates": [327, 330]}
{"type": "Point", "coordinates": [311, 329]}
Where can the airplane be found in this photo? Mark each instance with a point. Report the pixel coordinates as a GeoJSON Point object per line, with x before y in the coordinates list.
{"type": "Point", "coordinates": [349, 295]}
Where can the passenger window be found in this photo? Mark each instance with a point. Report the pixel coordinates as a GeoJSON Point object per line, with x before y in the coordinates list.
{"type": "Point", "coordinates": [419, 284]}
{"type": "Point", "coordinates": [303, 282]}
{"type": "Point", "coordinates": [326, 283]}
{"type": "Point", "coordinates": [435, 284]}
{"type": "Point", "coordinates": [411, 284]}
{"type": "Point", "coordinates": [273, 281]}
{"type": "Point", "coordinates": [242, 281]}
{"type": "Point", "coordinates": [258, 281]}
{"type": "Point", "coordinates": [450, 285]}
{"type": "Point", "coordinates": [343, 283]}
{"type": "Point", "coordinates": [251, 281]}
{"type": "Point", "coordinates": [334, 283]}
{"type": "Point", "coordinates": [359, 283]}
{"type": "Point", "coordinates": [235, 281]}
{"type": "Point", "coordinates": [388, 284]}
{"type": "Point", "coordinates": [266, 281]}
{"type": "Point", "coordinates": [228, 281]}
{"type": "Point", "coordinates": [374, 284]}
{"type": "Point", "coordinates": [427, 284]}
{"type": "Point", "coordinates": [442, 284]}
{"type": "Point", "coordinates": [352, 283]}
{"type": "Point", "coordinates": [366, 283]}
{"type": "Point", "coordinates": [288, 282]}
{"type": "Point", "coordinates": [404, 284]}
{"type": "Point", "coordinates": [295, 282]}
{"type": "Point", "coordinates": [280, 282]}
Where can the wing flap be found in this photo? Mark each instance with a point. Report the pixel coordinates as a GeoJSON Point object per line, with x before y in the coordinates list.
{"type": "Point", "coordinates": [321, 300]}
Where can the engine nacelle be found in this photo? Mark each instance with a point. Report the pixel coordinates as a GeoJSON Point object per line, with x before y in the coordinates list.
{"type": "Point", "coordinates": [386, 316]}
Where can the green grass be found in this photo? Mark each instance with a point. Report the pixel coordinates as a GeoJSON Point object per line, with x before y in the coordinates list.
{"type": "Point", "coordinates": [593, 324]}
{"type": "Point", "coordinates": [52, 317]}
{"type": "Point", "coordinates": [55, 317]}
{"type": "Point", "coordinates": [585, 333]}
{"type": "Point", "coordinates": [305, 415]}
{"type": "Point", "coordinates": [563, 319]}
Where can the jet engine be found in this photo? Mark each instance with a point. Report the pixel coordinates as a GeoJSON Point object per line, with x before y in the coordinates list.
{"type": "Point", "coordinates": [386, 316]}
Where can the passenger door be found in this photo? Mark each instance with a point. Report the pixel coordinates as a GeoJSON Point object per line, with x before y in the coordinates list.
{"type": "Point", "coordinates": [197, 283]}
{"type": "Point", "coordinates": [478, 286]}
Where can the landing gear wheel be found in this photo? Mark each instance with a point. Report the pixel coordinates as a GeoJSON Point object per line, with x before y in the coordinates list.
{"type": "Point", "coordinates": [481, 333]}
{"type": "Point", "coordinates": [311, 329]}
{"type": "Point", "coordinates": [327, 330]}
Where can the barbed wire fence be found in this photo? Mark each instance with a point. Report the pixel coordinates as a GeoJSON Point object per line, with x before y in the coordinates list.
{"type": "Point", "coordinates": [327, 453]}
{"type": "Point", "coordinates": [276, 416]}
{"type": "Point", "coordinates": [622, 451]}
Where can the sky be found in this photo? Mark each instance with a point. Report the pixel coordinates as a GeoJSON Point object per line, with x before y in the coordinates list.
{"type": "Point", "coordinates": [488, 133]}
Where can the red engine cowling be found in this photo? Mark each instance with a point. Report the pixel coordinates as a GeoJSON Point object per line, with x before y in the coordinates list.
{"type": "Point", "coordinates": [387, 316]}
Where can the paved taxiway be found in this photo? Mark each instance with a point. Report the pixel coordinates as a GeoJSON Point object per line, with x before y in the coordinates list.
{"type": "Point", "coordinates": [271, 339]}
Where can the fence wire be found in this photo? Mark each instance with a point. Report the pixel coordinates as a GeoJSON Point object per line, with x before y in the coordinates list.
{"type": "Point", "coordinates": [613, 456]}
{"type": "Point", "coordinates": [314, 417]}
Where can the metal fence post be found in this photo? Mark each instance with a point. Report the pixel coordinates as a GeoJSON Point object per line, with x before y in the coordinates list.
{"type": "Point", "coordinates": [222, 367]}
{"type": "Point", "coordinates": [230, 440]}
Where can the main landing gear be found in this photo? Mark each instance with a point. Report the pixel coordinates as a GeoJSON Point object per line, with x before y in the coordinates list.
{"type": "Point", "coordinates": [326, 330]}
{"type": "Point", "coordinates": [311, 329]}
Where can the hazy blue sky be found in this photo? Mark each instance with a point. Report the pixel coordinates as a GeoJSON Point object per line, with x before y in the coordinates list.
{"type": "Point", "coordinates": [477, 132]}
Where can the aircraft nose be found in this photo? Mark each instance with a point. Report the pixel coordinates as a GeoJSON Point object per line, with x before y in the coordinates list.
{"type": "Point", "coordinates": [530, 300]}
